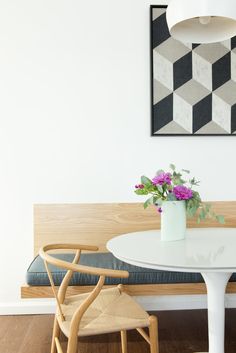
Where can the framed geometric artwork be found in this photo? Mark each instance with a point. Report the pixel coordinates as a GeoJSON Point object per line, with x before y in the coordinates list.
{"type": "Point", "coordinates": [193, 86]}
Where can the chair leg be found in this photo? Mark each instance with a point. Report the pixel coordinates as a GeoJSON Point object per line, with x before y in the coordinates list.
{"type": "Point", "coordinates": [153, 333]}
{"type": "Point", "coordinates": [56, 332]}
{"type": "Point", "coordinates": [123, 334]}
{"type": "Point", "coordinates": [72, 346]}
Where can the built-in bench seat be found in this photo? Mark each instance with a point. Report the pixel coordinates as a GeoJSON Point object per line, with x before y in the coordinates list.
{"type": "Point", "coordinates": [37, 275]}
{"type": "Point", "coordinates": [95, 224]}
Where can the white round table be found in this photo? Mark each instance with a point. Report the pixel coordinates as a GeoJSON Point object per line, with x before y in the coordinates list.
{"type": "Point", "coordinates": [209, 251]}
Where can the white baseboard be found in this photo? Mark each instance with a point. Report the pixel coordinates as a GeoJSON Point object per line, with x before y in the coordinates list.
{"type": "Point", "coordinates": [151, 303]}
{"type": "Point", "coordinates": [181, 302]}
{"type": "Point", "coordinates": [28, 307]}
{"type": "Point", "coordinates": [172, 302]}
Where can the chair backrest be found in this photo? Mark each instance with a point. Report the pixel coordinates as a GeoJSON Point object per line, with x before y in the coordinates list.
{"type": "Point", "coordinates": [98, 223]}
{"type": "Point", "coordinates": [75, 267]}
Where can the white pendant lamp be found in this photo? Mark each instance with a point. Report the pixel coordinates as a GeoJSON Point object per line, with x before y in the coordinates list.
{"type": "Point", "coordinates": [202, 21]}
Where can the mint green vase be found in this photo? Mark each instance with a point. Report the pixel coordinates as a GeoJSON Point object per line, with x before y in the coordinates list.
{"type": "Point", "coordinates": [173, 220]}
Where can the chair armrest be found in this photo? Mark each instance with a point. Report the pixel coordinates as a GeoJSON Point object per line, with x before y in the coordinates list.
{"type": "Point", "coordinates": [97, 271]}
{"type": "Point", "coordinates": [68, 247]}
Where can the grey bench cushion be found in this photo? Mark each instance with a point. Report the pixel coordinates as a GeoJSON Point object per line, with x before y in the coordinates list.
{"type": "Point", "coordinates": [37, 275]}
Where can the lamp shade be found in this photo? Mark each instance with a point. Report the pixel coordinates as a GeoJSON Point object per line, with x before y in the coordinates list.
{"type": "Point", "coordinates": [202, 21]}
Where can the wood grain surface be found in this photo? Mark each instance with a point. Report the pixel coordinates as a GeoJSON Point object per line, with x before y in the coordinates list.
{"type": "Point", "coordinates": [95, 224]}
{"type": "Point", "coordinates": [134, 290]}
{"type": "Point", "coordinates": [179, 332]}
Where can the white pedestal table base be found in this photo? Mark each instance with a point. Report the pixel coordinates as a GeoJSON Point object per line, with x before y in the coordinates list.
{"type": "Point", "coordinates": [216, 283]}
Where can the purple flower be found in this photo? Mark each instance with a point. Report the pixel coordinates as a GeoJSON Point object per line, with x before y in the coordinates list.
{"type": "Point", "coordinates": [140, 186]}
{"type": "Point", "coordinates": [182, 192]}
{"type": "Point", "coordinates": [162, 178]}
{"type": "Point", "coordinates": [159, 209]}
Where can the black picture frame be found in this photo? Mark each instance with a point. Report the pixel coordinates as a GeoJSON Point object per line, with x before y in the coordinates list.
{"type": "Point", "coordinates": [153, 133]}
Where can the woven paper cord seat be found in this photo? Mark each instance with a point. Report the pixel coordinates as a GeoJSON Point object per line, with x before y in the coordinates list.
{"type": "Point", "coordinates": [111, 311]}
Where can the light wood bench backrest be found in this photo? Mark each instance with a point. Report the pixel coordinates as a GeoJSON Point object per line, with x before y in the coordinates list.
{"type": "Point", "coordinates": [95, 224]}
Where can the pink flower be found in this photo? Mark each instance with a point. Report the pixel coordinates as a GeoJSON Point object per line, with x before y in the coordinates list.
{"type": "Point", "coordinates": [182, 192]}
{"type": "Point", "coordinates": [162, 178]}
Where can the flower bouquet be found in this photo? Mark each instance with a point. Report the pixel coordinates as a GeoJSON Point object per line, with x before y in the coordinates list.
{"type": "Point", "coordinates": [175, 196]}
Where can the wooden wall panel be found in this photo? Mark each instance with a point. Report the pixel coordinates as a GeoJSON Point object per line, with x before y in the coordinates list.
{"type": "Point", "coordinates": [97, 223]}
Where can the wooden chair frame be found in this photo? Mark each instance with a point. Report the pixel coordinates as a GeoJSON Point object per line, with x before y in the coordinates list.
{"type": "Point", "coordinates": [60, 296]}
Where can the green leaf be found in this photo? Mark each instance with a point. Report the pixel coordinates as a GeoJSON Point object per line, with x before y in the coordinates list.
{"type": "Point", "coordinates": [160, 188]}
{"type": "Point", "coordinates": [141, 192]}
{"type": "Point", "coordinates": [186, 171]}
{"type": "Point", "coordinates": [191, 210]}
{"type": "Point", "coordinates": [148, 202]}
{"type": "Point", "coordinates": [179, 181]}
{"type": "Point", "coordinates": [194, 182]}
{"type": "Point", "coordinates": [160, 171]}
{"type": "Point", "coordinates": [220, 219]}
{"type": "Point", "coordinates": [172, 167]}
{"type": "Point", "coordinates": [145, 180]}
{"type": "Point", "coordinates": [155, 199]}
{"type": "Point", "coordinates": [171, 197]}
{"type": "Point", "coordinates": [202, 215]}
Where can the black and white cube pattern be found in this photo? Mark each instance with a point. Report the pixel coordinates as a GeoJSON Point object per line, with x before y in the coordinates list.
{"type": "Point", "coordinates": [194, 86]}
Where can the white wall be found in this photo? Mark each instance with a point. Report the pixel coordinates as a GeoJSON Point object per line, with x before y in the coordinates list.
{"type": "Point", "coordinates": [75, 118]}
